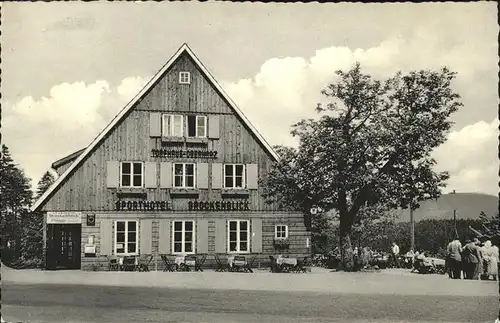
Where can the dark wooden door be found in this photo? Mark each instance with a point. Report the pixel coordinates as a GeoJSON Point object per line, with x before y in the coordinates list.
{"type": "Point", "coordinates": [64, 246]}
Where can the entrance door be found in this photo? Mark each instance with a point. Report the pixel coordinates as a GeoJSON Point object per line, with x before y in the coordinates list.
{"type": "Point", "coordinates": [64, 246]}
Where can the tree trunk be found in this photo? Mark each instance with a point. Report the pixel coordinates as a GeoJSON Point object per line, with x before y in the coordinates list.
{"type": "Point", "coordinates": [346, 253]}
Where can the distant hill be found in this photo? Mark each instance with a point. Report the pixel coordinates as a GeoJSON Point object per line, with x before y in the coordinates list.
{"type": "Point", "coordinates": [468, 206]}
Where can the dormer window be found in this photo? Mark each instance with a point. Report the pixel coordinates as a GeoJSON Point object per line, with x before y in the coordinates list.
{"type": "Point", "coordinates": [184, 78]}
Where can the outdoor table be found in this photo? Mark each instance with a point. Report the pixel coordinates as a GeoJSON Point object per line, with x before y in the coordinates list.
{"type": "Point", "coordinates": [239, 263]}
{"type": "Point", "coordinates": [179, 260]}
{"type": "Point", "coordinates": [288, 261]}
{"type": "Point", "coordinates": [185, 262]}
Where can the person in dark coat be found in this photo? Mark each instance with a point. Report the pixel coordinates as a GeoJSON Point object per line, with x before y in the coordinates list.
{"type": "Point", "coordinates": [455, 259]}
{"type": "Point", "coordinates": [470, 259]}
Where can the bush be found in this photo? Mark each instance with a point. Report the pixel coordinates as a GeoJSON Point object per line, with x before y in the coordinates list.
{"type": "Point", "coordinates": [431, 236]}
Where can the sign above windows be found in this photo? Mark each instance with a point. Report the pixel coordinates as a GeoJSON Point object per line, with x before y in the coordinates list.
{"type": "Point", "coordinates": [143, 205]}
{"type": "Point", "coordinates": [242, 205]}
{"type": "Point", "coordinates": [175, 153]}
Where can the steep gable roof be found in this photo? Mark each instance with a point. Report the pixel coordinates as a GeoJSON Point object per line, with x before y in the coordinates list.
{"type": "Point", "coordinates": [121, 115]}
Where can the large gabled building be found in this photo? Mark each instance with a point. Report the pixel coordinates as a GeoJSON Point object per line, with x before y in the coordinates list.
{"type": "Point", "coordinates": [175, 172]}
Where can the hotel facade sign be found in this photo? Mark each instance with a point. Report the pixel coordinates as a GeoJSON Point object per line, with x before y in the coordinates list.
{"type": "Point", "coordinates": [241, 205]}
{"type": "Point", "coordinates": [64, 217]}
{"type": "Point", "coordinates": [176, 153]}
{"type": "Point", "coordinates": [143, 205]}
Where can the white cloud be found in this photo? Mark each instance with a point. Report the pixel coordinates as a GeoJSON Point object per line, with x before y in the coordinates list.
{"type": "Point", "coordinates": [68, 105]}
{"type": "Point", "coordinates": [286, 90]}
{"type": "Point", "coordinates": [39, 131]}
{"type": "Point", "coordinates": [130, 86]}
{"type": "Point", "coordinates": [470, 156]}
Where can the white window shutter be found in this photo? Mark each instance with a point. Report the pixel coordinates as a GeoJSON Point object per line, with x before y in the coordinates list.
{"type": "Point", "coordinates": [213, 127]}
{"type": "Point", "coordinates": [252, 172]}
{"type": "Point", "coordinates": [202, 236]}
{"type": "Point", "coordinates": [217, 176]}
{"type": "Point", "coordinates": [165, 175]}
{"type": "Point", "coordinates": [202, 175]}
{"type": "Point", "coordinates": [220, 236]}
{"type": "Point", "coordinates": [257, 235]}
{"type": "Point", "coordinates": [106, 238]}
{"type": "Point", "coordinates": [164, 239]}
{"type": "Point", "coordinates": [146, 232]}
{"type": "Point", "coordinates": [150, 175]}
{"type": "Point", "coordinates": [155, 124]}
{"type": "Point", "coordinates": [112, 174]}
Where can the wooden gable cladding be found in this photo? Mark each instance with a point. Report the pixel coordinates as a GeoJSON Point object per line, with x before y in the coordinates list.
{"type": "Point", "coordinates": [95, 183]}
{"type": "Point", "coordinates": [199, 96]}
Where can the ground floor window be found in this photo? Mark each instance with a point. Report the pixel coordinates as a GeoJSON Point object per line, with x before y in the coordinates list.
{"type": "Point", "coordinates": [238, 236]}
{"type": "Point", "coordinates": [126, 237]}
{"type": "Point", "coordinates": [183, 233]}
{"type": "Point", "coordinates": [281, 231]}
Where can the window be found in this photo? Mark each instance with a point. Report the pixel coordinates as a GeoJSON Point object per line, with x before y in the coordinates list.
{"type": "Point", "coordinates": [184, 175]}
{"type": "Point", "coordinates": [234, 175]}
{"type": "Point", "coordinates": [197, 126]}
{"type": "Point", "coordinates": [126, 238]}
{"type": "Point", "coordinates": [183, 241]}
{"type": "Point", "coordinates": [131, 174]}
{"type": "Point", "coordinates": [184, 77]}
{"type": "Point", "coordinates": [281, 231]}
{"type": "Point", "coordinates": [173, 125]}
{"type": "Point", "coordinates": [238, 236]}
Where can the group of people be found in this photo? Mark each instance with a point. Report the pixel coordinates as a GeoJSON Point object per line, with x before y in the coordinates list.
{"type": "Point", "coordinates": [475, 260]}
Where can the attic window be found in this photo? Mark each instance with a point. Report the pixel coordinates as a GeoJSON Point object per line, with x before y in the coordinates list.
{"type": "Point", "coordinates": [184, 78]}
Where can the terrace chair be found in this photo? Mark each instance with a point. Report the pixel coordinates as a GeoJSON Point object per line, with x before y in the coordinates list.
{"type": "Point", "coordinates": [274, 265]}
{"type": "Point", "coordinates": [301, 266]}
{"type": "Point", "coordinates": [221, 267]}
{"type": "Point", "coordinates": [144, 262]}
{"type": "Point", "coordinates": [199, 261]}
{"type": "Point", "coordinates": [128, 264]}
{"type": "Point", "coordinates": [250, 264]}
{"type": "Point", "coordinates": [169, 266]}
{"type": "Point", "coordinates": [113, 264]}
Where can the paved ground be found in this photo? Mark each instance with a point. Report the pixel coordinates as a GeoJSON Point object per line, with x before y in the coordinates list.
{"type": "Point", "coordinates": [384, 282]}
{"type": "Point", "coordinates": [392, 296]}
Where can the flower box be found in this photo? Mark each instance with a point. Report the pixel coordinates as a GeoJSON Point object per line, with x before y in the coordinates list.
{"type": "Point", "coordinates": [281, 244]}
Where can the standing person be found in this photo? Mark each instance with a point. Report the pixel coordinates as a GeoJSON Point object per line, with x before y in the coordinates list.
{"type": "Point", "coordinates": [478, 270]}
{"type": "Point", "coordinates": [447, 262]}
{"type": "Point", "coordinates": [470, 259]}
{"type": "Point", "coordinates": [490, 256]}
{"type": "Point", "coordinates": [455, 259]}
{"type": "Point", "coordinates": [395, 255]}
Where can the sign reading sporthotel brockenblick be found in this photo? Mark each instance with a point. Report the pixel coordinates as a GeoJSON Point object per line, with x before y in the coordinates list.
{"type": "Point", "coordinates": [144, 205]}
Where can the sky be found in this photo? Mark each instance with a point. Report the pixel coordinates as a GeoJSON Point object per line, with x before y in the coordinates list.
{"type": "Point", "coordinates": [68, 68]}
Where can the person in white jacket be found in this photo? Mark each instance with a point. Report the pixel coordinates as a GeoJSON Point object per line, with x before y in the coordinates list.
{"type": "Point", "coordinates": [395, 255]}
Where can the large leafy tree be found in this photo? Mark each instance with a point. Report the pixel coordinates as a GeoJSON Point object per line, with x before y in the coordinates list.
{"type": "Point", "coordinates": [370, 147]}
{"type": "Point", "coordinates": [15, 195]}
